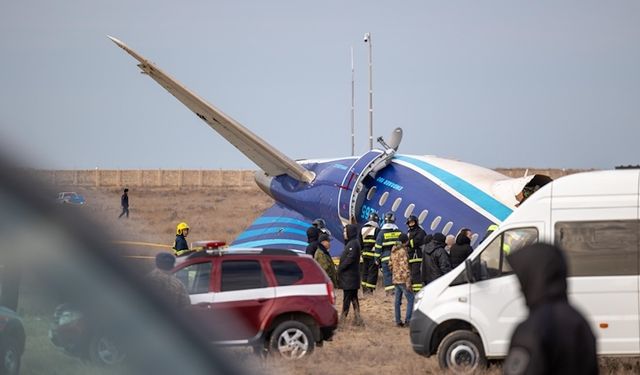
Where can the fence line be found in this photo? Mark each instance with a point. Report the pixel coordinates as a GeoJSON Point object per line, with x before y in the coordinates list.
{"type": "Point", "coordinates": [146, 177]}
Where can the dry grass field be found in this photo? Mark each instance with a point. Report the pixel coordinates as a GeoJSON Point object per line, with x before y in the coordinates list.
{"type": "Point", "coordinates": [222, 213]}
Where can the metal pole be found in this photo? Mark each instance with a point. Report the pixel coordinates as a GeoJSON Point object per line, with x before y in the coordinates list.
{"type": "Point", "coordinates": [353, 106]}
{"type": "Point", "coordinates": [367, 39]}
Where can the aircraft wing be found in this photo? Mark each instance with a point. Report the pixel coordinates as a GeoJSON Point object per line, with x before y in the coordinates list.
{"type": "Point", "coordinates": [265, 156]}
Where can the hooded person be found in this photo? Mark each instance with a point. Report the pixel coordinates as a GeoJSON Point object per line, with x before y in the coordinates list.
{"type": "Point", "coordinates": [349, 272]}
{"type": "Point", "coordinates": [435, 262]}
{"type": "Point", "coordinates": [461, 249]}
{"type": "Point", "coordinates": [555, 338]}
{"type": "Point", "coordinates": [322, 256]}
{"type": "Point", "coordinates": [313, 233]}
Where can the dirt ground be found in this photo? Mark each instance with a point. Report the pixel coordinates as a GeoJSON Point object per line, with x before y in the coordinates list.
{"type": "Point", "coordinates": [222, 213]}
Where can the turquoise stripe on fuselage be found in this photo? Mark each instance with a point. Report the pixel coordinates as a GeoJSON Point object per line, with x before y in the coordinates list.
{"type": "Point", "coordinates": [261, 243]}
{"type": "Point", "coordinates": [477, 196]}
{"type": "Point", "coordinates": [259, 232]}
{"type": "Point", "coordinates": [277, 219]}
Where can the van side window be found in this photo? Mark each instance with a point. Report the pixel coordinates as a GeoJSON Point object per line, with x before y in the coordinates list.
{"type": "Point", "coordinates": [599, 248]}
{"type": "Point", "coordinates": [196, 277]}
{"type": "Point", "coordinates": [242, 274]}
{"type": "Point", "coordinates": [492, 262]}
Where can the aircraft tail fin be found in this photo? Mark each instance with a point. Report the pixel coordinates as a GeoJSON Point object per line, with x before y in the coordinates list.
{"type": "Point", "coordinates": [267, 157]}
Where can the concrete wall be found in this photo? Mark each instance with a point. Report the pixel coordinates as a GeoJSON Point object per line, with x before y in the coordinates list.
{"type": "Point", "coordinates": [146, 178]}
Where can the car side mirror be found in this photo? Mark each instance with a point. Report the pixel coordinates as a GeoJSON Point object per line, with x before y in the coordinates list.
{"type": "Point", "coordinates": [468, 270]}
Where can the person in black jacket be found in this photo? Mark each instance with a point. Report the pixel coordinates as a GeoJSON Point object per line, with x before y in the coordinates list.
{"type": "Point", "coordinates": [349, 273]}
{"type": "Point", "coordinates": [461, 249]}
{"type": "Point", "coordinates": [313, 233]}
{"type": "Point", "coordinates": [417, 237]}
{"type": "Point", "coordinates": [435, 261]}
{"type": "Point", "coordinates": [555, 338]}
{"type": "Point", "coordinates": [124, 203]}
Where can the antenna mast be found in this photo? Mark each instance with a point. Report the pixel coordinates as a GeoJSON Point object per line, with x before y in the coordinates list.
{"type": "Point", "coordinates": [367, 39]}
{"type": "Point", "coordinates": [353, 106]}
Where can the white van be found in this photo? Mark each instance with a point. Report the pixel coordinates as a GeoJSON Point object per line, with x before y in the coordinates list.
{"type": "Point", "coordinates": [468, 315]}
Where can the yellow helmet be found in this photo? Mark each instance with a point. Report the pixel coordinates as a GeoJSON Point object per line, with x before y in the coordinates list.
{"type": "Point", "coordinates": [182, 226]}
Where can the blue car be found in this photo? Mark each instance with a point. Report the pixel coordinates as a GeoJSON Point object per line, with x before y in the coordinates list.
{"type": "Point", "coordinates": [71, 197]}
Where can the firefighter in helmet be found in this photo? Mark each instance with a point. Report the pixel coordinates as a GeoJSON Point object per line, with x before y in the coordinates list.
{"type": "Point", "coordinates": [387, 238]}
{"type": "Point", "coordinates": [180, 246]}
{"type": "Point", "coordinates": [369, 233]}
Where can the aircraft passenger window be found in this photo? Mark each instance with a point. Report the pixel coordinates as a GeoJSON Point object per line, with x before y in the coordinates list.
{"type": "Point", "coordinates": [409, 210]}
{"type": "Point", "coordinates": [196, 277]}
{"type": "Point", "coordinates": [383, 198]}
{"type": "Point", "coordinates": [371, 193]}
{"type": "Point", "coordinates": [492, 262]}
{"type": "Point", "coordinates": [435, 223]}
{"type": "Point", "coordinates": [242, 274]}
{"type": "Point", "coordinates": [423, 216]}
{"type": "Point", "coordinates": [396, 204]}
{"type": "Point", "coordinates": [599, 248]}
{"type": "Point", "coordinates": [447, 228]}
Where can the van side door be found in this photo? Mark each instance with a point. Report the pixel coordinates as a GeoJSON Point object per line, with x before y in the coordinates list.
{"type": "Point", "coordinates": [497, 305]}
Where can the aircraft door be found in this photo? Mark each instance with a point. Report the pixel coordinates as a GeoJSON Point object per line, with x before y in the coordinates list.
{"type": "Point", "coordinates": [353, 190]}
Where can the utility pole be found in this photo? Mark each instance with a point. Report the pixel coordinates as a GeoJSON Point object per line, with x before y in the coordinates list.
{"type": "Point", "coordinates": [367, 39]}
{"type": "Point", "coordinates": [353, 108]}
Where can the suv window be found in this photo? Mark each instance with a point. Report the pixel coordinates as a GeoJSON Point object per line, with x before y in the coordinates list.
{"type": "Point", "coordinates": [599, 248]}
{"type": "Point", "coordinates": [196, 277]}
{"type": "Point", "coordinates": [286, 272]}
{"type": "Point", "coordinates": [242, 274]}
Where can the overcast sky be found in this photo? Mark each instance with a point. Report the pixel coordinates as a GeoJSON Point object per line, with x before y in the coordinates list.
{"type": "Point", "coordinates": [496, 83]}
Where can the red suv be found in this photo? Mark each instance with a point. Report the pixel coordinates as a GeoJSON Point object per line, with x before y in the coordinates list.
{"type": "Point", "coordinates": [271, 299]}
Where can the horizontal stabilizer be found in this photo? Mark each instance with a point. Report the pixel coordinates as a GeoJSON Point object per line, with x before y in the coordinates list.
{"type": "Point", "coordinates": [265, 156]}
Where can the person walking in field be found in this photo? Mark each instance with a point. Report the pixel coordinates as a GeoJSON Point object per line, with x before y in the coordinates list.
{"type": "Point", "coordinates": [124, 203]}
{"type": "Point", "coordinates": [349, 273]}
{"type": "Point", "coordinates": [399, 266]}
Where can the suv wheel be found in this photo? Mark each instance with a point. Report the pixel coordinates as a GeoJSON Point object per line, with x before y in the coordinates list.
{"type": "Point", "coordinates": [10, 356]}
{"type": "Point", "coordinates": [103, 350]}
{"type": "Point", "coordinates": [462, 352]}
{"type": "Point", "coordinates": [292, 340]}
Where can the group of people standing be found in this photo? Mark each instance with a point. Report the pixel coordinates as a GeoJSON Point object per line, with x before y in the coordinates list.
{"type": "Point", "coordinates": [408, 260]}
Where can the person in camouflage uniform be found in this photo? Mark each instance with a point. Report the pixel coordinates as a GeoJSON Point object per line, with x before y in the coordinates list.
{"type": "Point", "coordinates": [323, 258]}
{"type": "Point", "coordinates": [399, 266]}
{"type": "Point", "coordinates": [165, 284]}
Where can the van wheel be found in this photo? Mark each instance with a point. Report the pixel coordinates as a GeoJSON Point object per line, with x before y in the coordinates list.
{"type": "Point", "coordinates": [292, 340]}
{"type": "Point", "coordinates": [462, 352]}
